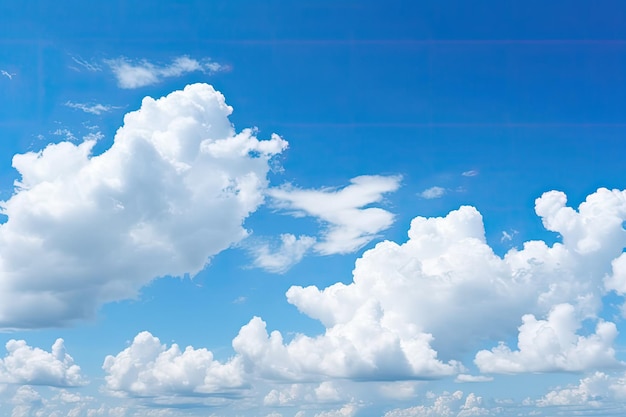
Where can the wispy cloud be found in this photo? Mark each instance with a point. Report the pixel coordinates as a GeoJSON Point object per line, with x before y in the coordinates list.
{"type": "Point", "coordinates": [66, 133]}
{"type": "Point", "coordinates": [91, 108]}
{"type": "Point", "coordinates": [89, 66]}
{"type": "Point", "coordinates": [132, 74]}
{"type": "Point", "coordinates": [470, 173]}
{"type": "Point", "coordinates": [433, 192]}
{"type": "Point", "coordinates": [350, 222]}
{"type": "Point", "coordinates": [280, 259]}
{"type": "Point", "coordinates": [7, 74]}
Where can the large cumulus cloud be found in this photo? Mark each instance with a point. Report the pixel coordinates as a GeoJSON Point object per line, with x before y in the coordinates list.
{"type": "Point", "coordinates": [172, 190]}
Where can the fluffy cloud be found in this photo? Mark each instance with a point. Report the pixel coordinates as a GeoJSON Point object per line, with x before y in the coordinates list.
{"type": "Point", "coordinates": [173, 190]}
{"type": "Point", "coordinates": [24, 364]}
{"type": "Point", "coordinates": [140, 74]}
{"type": "Point", "coordinates": [149, 369]}
{"type": "Point", "coordinates": [446, 280]}
{"type": "Point", "coordinates": [590, 391]}
{"type": "Point", "coordinates": [433, 192]}
{"type": "Point", "coordinates": [446, 405]}
{"type": "Point", "coordinates": [348, 410]}
{"type": "Point", "coordinates": [552, 345]}
{"type": "Point", "coordinates": [362, 348]}
{"type": "Point", "coordinates": [595, 391]}
{"type": "Point", "coordinates": [349, 224]}
{"type": "Point", "coordinates": [298, 394]}
{"type": "Point", "coordinates": [290, 252]}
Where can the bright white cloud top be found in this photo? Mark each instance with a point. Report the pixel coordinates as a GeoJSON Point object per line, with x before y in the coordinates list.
{"type": "Point", "coordinates": [172, 191]}
{"type": "Point", "coordinates": [24, 364]}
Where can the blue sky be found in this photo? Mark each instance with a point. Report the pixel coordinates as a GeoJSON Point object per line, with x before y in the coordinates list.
{"type": "Point", "coordinates": [312, 209]}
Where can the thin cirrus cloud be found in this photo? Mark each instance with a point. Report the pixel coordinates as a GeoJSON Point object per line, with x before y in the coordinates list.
{"type": "Point", "coordinates": [470, 173]}
{"type": "Point", "coordinates": [172, 191]}
{"type": "Point", "coordinates": [7, 74]}
{"type": "Point", "coordinates": [134, 74]}
{"type": "Point", "coordinates": [96, 109]}
{"type": "Point", "coordinates": [350, 224]}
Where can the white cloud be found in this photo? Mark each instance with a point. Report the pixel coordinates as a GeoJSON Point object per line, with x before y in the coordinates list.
{"type": "Point", "coordinates": [349, 223]}
{"type": "Point", "coordinates": [172, 191]}
{"type": "Point", "coordinates": [290, 252]}
{"type": "Point", "coordinates": [34, 366]}
{"type": "Point", "coordinates": [445, 405]}
{"type": "Point", "coordinates": [140, 74]}
{"type": "Point", "coordinates": [433, 192]}
{"type": "Point", "coordinates": [552, 345]}
{"type": "Point", "coordinates": [348, 410]}
{"type": "Point", "coordinates": [89, 66]}
{"type": "Point", "coordinates": [590, 391]}
{"type": "Point", "coordinates": [616, 280]}
{"type": "Point", "coordinates": [65, 133]}
{"type": "Point", "coordinates": [472, 378]}
{"type": "Point", "coordinates": [507, 237]}
{"type": "Point", "coordinates": [400, 390]}
{"type": "Point", "coordinates": [148, 368]}
{"type": "Point", "coordinates": [362, 348]}
{"type": "Point", "coordinates": [96, 109]}
{"type": "Point", "coordinates": [470, 173]}
{"type": "Point", "coordinates": [7, 74]}
{"type": "Point", "coordinates": [445, 281]}
{"type": "Point", "coordinates": [438, 291]}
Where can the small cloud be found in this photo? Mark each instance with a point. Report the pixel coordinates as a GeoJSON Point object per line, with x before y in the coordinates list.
{"type": "Point", "coordinates": [290, 252]}
{"type": "Point", "coordinates": [472, 378]}
{"type": "Point", "coordinates": [470, 173]}
{"type": "Point", "coordinates": [93, 108]}
{"type": "Point", "coordinates": [7, 74]}
{"type": "Point", "coordinates": [69, 136]}
{"type": "Point", "coordinates": [95, 136]}
{"type": "Point", "coordinates": [131, 74]}
{"type": "Point", "coordinates": [89, 66]}
{"type": "Point", "coordinates": [240, 300]}
{"type": "Point", "coordinates": [507, 237]}
{"type": "Point", "coordinates": [433, 192]}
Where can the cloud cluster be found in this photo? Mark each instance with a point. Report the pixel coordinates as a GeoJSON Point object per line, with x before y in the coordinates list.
{"type": "Point", "coordinates": [350, 223]}
{"type": "Point", "coordinates": [435, 295]}
{"type": "Point", "coordinates": [446, 405]}
{"type": "Point", "coordinates": [131, 74]}
{"type": "Point", "coordinates": [149, 369]}
{"type": "Point", "coordinates": [447, 281]}
{"type": "Point", "coordinates": [298, 394]}
{"type": "Point", "coordinates": [24, 364]}
{"type": "Point", "coordinates": [172, 191]}
{"type": "Point", "coordinates": [553, 345]}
